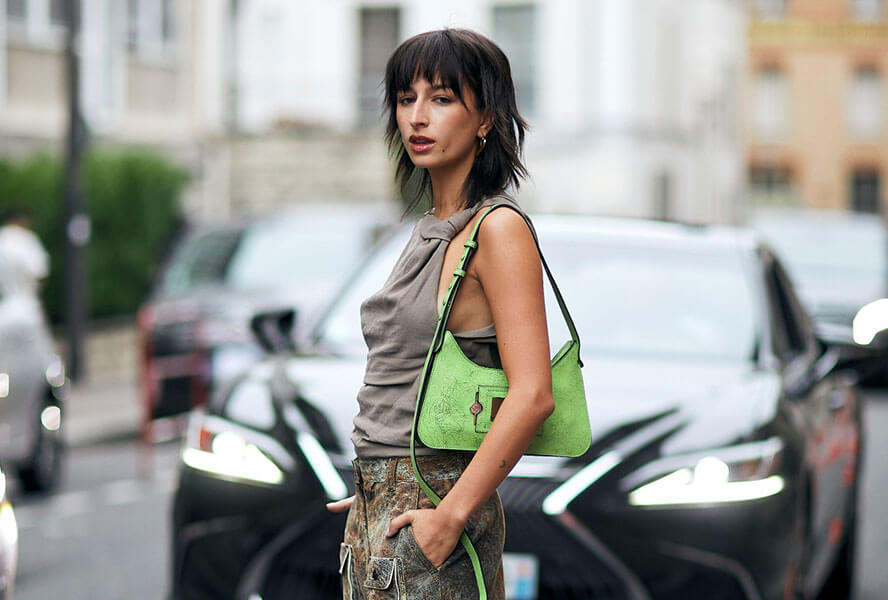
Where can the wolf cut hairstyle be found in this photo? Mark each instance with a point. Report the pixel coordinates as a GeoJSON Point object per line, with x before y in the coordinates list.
{"type": "Point", "coordinates": [456, 58]}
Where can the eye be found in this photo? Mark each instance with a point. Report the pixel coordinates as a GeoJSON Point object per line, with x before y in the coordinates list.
{"type": "Point", "coordinates": [405, 100]}
{"type": "Point", "coordinates": [443, 100]}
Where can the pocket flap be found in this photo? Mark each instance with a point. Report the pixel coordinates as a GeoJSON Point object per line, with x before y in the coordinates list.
{"type": "Point", "coordinates": [380, 572]}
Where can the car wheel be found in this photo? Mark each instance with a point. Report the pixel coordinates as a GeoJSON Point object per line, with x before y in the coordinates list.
{"type": "Point", "coordinates": [42, 470]}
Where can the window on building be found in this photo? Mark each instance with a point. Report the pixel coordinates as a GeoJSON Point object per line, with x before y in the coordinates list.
{"type": "Point", "coordinates": [865, 104]}
{"type": "Point", "coordinates": [379, 37]}
{"type": "Point", "coordinates": [771, 104]}
{"type": "Point", "coordinates": [662, 208]}
{"type": "Point", "coordinates": [770, 9]}
{"type": "Point", "coordinates": [17, 10]}
{"type": "Point", "coordinates": [867, 10]}
{"type": "Point", "coordinates": [866, 191]}
{"type": "Point", "coordinates": [167, 21]}
{"type": "Point", "coordinates": [772, 185]}
{"type": "Point", "coordinates": [514, 29]}
{"type": "Point", "coordinates": [57, 10]}
{"type": "Point", "coordinates": [132, 24]}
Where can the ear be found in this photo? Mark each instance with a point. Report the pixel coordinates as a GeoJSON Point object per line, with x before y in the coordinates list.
{"type": "Point", "coordinates": [486, 124]}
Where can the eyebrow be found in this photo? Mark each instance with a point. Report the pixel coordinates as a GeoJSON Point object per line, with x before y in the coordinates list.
{"type": "Point", "coordinates": [436, 87]}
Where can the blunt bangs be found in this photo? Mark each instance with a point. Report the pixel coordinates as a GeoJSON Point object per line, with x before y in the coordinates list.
{"type": "Point", "coordinates": [459, 59]}
{"type": "Point", "coordinates": [434, 58]}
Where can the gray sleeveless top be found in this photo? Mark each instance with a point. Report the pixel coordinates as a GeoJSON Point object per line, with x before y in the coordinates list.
{"type": "Point", "coordinates": [398, 323]}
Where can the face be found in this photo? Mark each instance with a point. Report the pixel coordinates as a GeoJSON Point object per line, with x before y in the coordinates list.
{"type": "Point", "coordinates": [437, 129]}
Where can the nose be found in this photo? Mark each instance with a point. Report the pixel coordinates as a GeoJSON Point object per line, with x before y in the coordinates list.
{"type": "Point", "coordinates": [418, 115]}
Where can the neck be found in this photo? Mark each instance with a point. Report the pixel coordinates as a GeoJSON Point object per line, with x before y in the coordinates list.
{"type": "Point", "coordinates": [447, 188]}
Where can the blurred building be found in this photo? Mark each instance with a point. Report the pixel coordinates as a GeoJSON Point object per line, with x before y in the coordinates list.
{"type": "Point", "coordinates": [633, 103]}
{"type": "Point", "coordinates": [817, 105]}
{"type": "Point", "coordinates": [151, 74]}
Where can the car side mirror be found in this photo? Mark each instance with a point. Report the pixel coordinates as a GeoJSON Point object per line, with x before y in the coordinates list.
{"type": "Point", "coordinates": [844, 353]}
{"type": "Point", "coordinates": [273, 329]}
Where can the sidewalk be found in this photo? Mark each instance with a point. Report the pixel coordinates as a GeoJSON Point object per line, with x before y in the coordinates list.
{"type": "Point", "coordinates": [97, 411]}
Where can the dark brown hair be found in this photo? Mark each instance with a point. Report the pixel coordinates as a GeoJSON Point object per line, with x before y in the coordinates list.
{"type": "Point", "coordinates": [456, 58]}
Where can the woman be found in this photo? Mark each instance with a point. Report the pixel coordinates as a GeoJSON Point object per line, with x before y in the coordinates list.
{"type": "Point", "coordinates": [454, 126]}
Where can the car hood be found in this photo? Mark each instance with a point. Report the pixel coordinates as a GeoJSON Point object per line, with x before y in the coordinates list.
{"type": "Point", "coordinates": [708, 404]}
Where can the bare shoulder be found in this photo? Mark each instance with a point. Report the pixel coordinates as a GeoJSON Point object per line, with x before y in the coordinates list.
{"type": "Point", "coordinates": [505, 243]}
{"type": "Point", "coordinates": [504, 227]}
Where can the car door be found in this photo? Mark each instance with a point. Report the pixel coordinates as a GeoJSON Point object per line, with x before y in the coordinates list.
{"type": "Point", "coordinates": [825, 403]}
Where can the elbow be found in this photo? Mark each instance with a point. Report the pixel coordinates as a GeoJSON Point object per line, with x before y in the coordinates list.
{"type": "Point", "coordinates": [544, 404]}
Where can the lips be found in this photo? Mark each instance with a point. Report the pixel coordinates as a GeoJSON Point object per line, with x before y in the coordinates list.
{"type": "Point", "coordinates": [419, 143]}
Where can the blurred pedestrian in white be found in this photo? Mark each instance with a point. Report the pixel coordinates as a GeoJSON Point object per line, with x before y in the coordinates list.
{"type": "Point", "coordinates": [24, 262]}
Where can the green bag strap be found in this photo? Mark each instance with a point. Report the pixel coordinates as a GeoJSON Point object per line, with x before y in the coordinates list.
{"type": "Point", "coordinates": [471, 245]}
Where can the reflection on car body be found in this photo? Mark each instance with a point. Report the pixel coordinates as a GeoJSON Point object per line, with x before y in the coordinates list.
{"type": "Point", "coordinates": [726, 438]}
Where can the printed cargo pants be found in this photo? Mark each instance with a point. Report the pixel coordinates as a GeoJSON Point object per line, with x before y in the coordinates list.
{"type": "Point", "coordinates": [376, 567]}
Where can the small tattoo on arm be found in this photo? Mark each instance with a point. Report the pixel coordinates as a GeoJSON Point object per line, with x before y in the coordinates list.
{"type": "Point", "coordinates": [503, 465]}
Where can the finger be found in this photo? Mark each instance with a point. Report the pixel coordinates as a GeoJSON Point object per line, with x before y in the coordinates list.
{"type": "Point", "coordinates": [340, 505]}
{"type": "Point", "coordinates": [399, 522]}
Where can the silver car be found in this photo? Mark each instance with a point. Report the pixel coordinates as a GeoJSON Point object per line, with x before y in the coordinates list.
{"type": "Point", "coordinates": [8, 543]}
{"type": "Point", "coordinates": [32, 385]}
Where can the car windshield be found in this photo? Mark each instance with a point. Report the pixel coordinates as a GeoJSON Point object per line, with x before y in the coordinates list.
{"type": "Point", "coordinates": [827, 253]}
{"type": "Point", "coordinates": [270, 254]}
{"type": "Point", "coordinates": [626, 300]}
{"type": "Point", "coordinates": [318, 250]}
{"type": "Point", "coordinates": [200, 260]}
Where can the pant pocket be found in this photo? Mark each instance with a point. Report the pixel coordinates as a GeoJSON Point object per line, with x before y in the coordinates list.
{"type": "Point", "coordinates": [384, 579]}
{"type": "Point", "coordinates": [412, 553]}
{"type": "Point", "coordinates": [347, 572]}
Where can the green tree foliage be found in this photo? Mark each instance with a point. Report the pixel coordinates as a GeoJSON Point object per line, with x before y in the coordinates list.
{"type": "Point", "coordinates": [132, 198]}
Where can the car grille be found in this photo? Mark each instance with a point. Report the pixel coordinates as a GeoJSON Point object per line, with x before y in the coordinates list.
{"type": "Point", "coordinates": [308, 568]}
{"type": "Point", "coordinates": [567, 569]}
{"type": "Point", "coordinates": [214, 565]}
{"type": "Point", "coordinates": [174, 397]}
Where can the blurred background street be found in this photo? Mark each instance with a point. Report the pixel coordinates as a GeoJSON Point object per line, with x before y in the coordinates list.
{"type": "Point", "coordinates": [195, 197]}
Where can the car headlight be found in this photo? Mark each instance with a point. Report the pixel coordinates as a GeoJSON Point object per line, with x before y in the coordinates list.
{"type": "Point", "coordinates": [55, 372]}
{"type": "Point", "coordinates": [731, 474]}
{"type": "Point", "coordinates": [8, 526]}
{"type": "Point", "coordinates": [222, 448]}
{"type": "Point", "coordinates": [869, 321]}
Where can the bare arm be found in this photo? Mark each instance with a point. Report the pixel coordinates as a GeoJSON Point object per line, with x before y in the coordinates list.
{"type": "Point", "coordinates": [508, 267]}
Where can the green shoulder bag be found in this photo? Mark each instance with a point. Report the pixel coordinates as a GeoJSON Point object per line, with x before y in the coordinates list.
{"type": "Point", "coordinates": [458, 399]}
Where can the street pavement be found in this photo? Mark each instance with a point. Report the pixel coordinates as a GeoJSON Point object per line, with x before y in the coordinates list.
{"type": "Point", "coordinates": [97, 411]}
{"type": "Point", "coordinates": [105, 534]}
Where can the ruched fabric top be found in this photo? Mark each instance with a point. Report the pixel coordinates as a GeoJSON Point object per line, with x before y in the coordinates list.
{"type": "Point", "coordinates": [398, 323]}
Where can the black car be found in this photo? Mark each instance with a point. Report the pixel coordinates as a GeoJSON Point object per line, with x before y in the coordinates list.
{"type": "Point", "coordinates": [195, 327]}
{"type": "Point", "coordinates": [725, 454]}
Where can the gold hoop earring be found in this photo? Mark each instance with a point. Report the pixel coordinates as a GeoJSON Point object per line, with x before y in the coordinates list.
{"type": "Point", "coordinates": [481, 145]}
